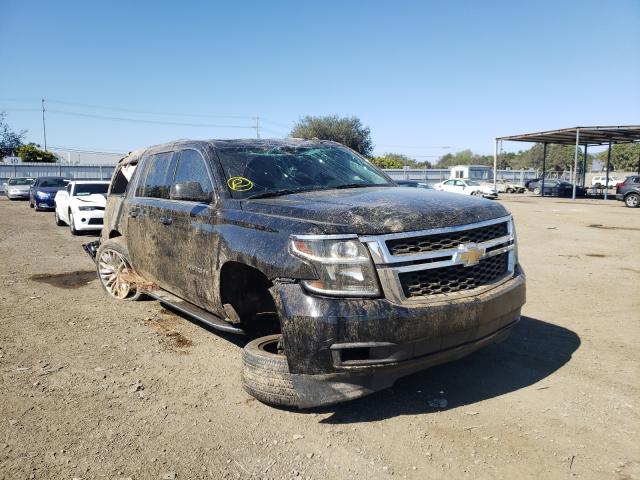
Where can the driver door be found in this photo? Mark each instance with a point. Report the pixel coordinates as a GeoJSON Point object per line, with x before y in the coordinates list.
{"type": "Point", "coordinates": [193, 236]}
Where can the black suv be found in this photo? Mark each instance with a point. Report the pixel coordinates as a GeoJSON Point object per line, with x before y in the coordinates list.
{"type": "Point", "coordinates": [344, 281]}
{"type": "Point", "coordinates": [629, 191]}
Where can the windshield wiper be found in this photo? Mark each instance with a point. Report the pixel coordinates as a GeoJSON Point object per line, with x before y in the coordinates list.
{"type": "Point", "coordinates": [355, 185]}
{"type": "Point", "coordinates": [278, 193]}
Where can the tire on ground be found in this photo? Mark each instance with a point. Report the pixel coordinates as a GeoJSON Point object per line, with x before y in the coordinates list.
{"type": "Point", "coordinates": [117, 244]}
{"type": "Point", "coordinates": [265, 375]}
{"type": "Point", "coordinates": [632, 200]}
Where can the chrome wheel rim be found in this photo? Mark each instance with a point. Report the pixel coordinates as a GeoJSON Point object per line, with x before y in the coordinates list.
{"type": "Point", "coordinates": [632, 201]}
{"type": "Point", "coordinates": [112, 266]}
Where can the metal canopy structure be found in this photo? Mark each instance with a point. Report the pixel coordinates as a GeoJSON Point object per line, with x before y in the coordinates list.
{"type": "Point", "coordinates": [586, 136]}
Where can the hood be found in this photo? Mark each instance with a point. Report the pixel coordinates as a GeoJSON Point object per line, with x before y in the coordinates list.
{"type": "Point", "coordinates": [48, 189]}
{"type": "Point", "coordinates": [377, 210]}
{"type": "Point", "coordinates": [20, 188]}
{"type": "Point", "coordinates": [95, 199]}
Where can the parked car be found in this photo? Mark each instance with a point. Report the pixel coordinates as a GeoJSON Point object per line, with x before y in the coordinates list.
{"type": "Point", "coordinates": [466, 187]}
{"type": "Point", "coordinates": [18, 188]}
{"type": "Point", "coordinates": [529, 184]}
{"type": "Point", "coordinates": [558, 188]}
{"type": "Point", "coordinates": [314, 253]}
{"type": "Point", "coordinates": [629, 191]}
{"type": "Point", "coordinates": [81, 205]}
{"type": "Point", "coordinates": [600, 180]}
{"type": "Point", "coordinates": [413, 184]}
{"type": "Point", "coordinates": [503, 186]}
{"type": "Point", "coordinates": [43, 191]}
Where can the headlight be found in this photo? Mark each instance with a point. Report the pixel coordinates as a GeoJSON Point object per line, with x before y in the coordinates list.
{"type": "Point", "coordinates": [86, 209]}
{"type": "Point", "coordinates": [342, 263]}
{"type": "Point", "coordinates": [42, 195]}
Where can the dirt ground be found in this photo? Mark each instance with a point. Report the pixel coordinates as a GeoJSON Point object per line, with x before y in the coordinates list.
{"type": "Point", "coordinates": [94, 388]}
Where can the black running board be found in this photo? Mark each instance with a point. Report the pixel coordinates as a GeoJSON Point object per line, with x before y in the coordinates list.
{"type": "Point", "coordinates": [197, 313]}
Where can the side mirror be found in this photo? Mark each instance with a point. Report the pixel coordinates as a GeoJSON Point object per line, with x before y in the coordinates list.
{"type": "Point", "coordinates": [189, 192]}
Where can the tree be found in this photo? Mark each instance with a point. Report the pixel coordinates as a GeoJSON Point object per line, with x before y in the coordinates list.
{"type": "Point", "coordinates": [559, 157]}
{"type": "Point", "coordinates": [625, 157]}
{"type": "Point", "coordinates": [389, 160]}
{"type": "Point", "coordinates": [464, 157]}
{"type": "Point", "coordinates": [398, 160]}
{"type": "Point", "coordinates": [32, 153]}
{"type": "Point", "coordinates": [348, 131]}
{"type": "Point", "coordinates": [9, 140]}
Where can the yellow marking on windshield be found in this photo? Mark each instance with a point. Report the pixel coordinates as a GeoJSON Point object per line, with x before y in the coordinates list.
{"type": "Point", "coordinates": [239, 184]}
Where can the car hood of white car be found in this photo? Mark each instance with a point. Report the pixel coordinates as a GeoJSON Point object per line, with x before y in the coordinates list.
{"type": "Point", "coordinates": [93, 200]}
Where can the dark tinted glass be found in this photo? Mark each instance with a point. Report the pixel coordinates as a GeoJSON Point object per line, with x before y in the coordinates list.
{"type": "Point", "coordinates": [191, 168]}
{"type": "Point", "coordinates": [157, 177]}
{"type": "Point", "coordinates": [52, 182]}
{"type": "Point", "coordinates": [83, 189]}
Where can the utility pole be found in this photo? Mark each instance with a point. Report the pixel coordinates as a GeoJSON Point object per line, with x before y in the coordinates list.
{"type": "Point", "coordinates": [258, 127]}
{"type": "Point", "coordinates": [44, 127]}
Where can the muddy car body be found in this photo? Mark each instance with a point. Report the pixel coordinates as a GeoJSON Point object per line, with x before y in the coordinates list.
{"type": "Point", "coordinates": [354, 283]}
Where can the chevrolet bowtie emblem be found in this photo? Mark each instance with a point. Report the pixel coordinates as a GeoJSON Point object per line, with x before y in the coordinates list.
{"type": "Point", "coordinates": [469, 254]}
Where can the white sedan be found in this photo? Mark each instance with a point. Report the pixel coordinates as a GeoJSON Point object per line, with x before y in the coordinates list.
{"type": "Point", "coordinates": [600, 180]}
{"type": "Point", "coordinates": [466, 187]}
{"type": "Point", "coordinates": [81, 205]}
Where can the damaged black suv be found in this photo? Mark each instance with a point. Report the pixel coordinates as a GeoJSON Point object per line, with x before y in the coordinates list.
{"type": "Point", "coordinates": [343, 280]}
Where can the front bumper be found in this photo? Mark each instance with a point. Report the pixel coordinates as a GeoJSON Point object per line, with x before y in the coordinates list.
{"type": "Point", "coordinates": [88, 220]}
{"type": "Point", "coordinates": [341, 349]}
{"type": "Point", "coordinates": [44, 203]}
{"type": "Point", "coordinates": [17, 195]}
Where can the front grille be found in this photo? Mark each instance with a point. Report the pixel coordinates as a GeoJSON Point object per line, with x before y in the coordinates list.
{"type": "Point", "coordinates": [443, 241]}
{"type": "Point", "coordinates": [454, 278]}
{"type": "Point", "coordinates": [95, 221]}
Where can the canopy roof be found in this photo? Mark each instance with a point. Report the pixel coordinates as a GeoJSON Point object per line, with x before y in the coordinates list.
{"type": "Point", "coordinates": [597, 135]}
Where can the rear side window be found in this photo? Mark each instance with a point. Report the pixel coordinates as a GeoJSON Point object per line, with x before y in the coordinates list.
{"type": "Point", "coordinates": [157, 176]}
{"type": "Point", "coordinates": [191, 168]}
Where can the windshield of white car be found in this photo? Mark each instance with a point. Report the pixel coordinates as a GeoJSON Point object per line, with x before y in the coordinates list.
{"type": "Point", "coordinates": [257, 171]}
{"type": "Point", "coordinates": [84, 189]}
{"type": "Point", "coordinates": [21, 181]}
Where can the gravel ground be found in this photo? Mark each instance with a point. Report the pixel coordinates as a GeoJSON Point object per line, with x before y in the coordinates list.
{"type": "Point", "coordinates": [94, 388]}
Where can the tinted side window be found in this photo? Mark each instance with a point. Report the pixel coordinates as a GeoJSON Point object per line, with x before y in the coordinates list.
{"type": "Point", "coordinates": [191, 168]}
{"type": "Point", "coordinates": [157, 176]}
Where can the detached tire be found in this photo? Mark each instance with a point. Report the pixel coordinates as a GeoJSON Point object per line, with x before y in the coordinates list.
{"type": "Point", "coordinates": [265, 373]}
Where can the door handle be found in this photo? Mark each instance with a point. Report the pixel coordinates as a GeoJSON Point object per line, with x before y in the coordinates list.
{"type": "Point", "coordinates": [166, 220]}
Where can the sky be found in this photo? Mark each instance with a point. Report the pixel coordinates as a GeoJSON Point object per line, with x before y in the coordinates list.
{"type": "Point", "coordinates": [427, 77]}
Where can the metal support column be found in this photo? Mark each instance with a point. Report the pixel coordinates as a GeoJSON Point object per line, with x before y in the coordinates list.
{"type": "Point", "coordinates": [544, 167]}
{"type": "Point", "coordinates": [584, 166]}
{"type": "Point", "coordinates": [575, 164]}
{"type": "Point", "coordinates": [495, 166]}
{"type": "Point", "coordinates": [606, 179]}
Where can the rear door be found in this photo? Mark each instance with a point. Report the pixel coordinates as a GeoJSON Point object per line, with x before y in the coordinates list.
{"type": "Point", "coordinates": [194, 232]}
{"type": "Point", "coordinates": [147, 227]}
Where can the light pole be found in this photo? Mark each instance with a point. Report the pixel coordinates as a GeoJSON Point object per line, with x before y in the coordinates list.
{"type": "Point", "coordinates": [44, 127]}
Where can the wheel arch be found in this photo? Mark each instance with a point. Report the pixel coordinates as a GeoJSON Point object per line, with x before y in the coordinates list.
{"type": "Point", "coordinates": [245, 295]}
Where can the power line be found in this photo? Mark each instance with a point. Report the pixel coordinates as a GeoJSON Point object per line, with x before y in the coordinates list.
{"type": "Point", "coordinates": [147, 112]}
{"type": "Point", "coordinates": [412, 146]}
{"type": "Point", "coordinates": [82, 150]}
{"type": "Point", "coordinates": [147, 121]}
